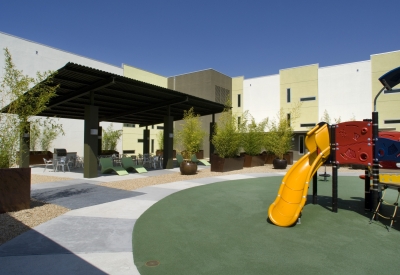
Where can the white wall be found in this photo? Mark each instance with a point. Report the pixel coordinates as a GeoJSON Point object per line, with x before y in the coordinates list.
{"type": "Point", "coordinates": [345, 91]}
{"type": "Point", "coordinates": [31, 57]}
{"type": "Point", "coordinates": [261, 96]}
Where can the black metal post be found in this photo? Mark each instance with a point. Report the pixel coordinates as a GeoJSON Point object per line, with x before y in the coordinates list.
{"type": "Point", "coordinates": [334, 170]}
{"type": "Point", "coordinates": [212, 129]}
{"type": "Point", "coordinates": [315, 188]}
{"type": "Point", "coordinates": [375, 166]}
{"type": "Point", "coordinates": [367, 197]}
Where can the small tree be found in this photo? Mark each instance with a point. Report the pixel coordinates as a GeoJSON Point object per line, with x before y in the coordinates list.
{"type": "Point", "coordinates": [22, 97]}
{"type": "Point", "coordinates": [44, 132]}
{"type": "Point", "coordinates": [50, 131]}
{"type": "Point", "coordinates": [227, 138]}
{"type": "Point", "coordinates": [191, 135]}
{"type": "Point", "coordinates": [110, 138]}
{"type": "Point", "coordinates": [253, 137]}
{"type": "Point", "coordinates": [160, 140]}
{"type": "Point", "coordinates": [279, 138]}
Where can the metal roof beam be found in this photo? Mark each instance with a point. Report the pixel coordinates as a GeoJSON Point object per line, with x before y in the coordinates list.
{"type": "Point", "coordinates": [148, 108]}
{"type": "Point", "coordinates": [83, 91]}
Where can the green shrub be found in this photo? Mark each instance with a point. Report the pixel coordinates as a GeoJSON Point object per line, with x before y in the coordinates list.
{"type": "Point", "coordinates": [227, 138]}
{"type": "Point", "coordinates": [190, 137]}
{"type": "Point", "coordinates": [254, 135]}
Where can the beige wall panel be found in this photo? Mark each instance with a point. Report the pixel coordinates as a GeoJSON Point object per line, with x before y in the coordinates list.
{"type": "Point", "coordinates": [303, 83]}
{"type": "Point", "coordinates": [387, 104]}
{"type": "Point", "coordinates": [201, 84]}
{"type": "Point", "coordinates": [237, 89]}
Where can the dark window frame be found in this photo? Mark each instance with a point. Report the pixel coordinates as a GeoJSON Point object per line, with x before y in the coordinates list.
{"type": "Point", "coordinates": [391, 121]}
{"type": "Point", "coordinates": [307, 124]}
{"type": "Point", "coordinates": [310, 98]}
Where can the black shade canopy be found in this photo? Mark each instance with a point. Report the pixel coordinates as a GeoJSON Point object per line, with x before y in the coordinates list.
{"type": "Point", "coordinates": [120, 99]}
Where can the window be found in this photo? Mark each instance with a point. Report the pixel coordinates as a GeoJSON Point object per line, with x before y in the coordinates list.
{"type": "Point", "coordinates": [392, 121]}
{"type": "Point", "coordinates": [307, 98]}
{"type": "Point", "coordinates": [160, 127]}
{"type": "Point", "coordinates": [238, 100]}
{"type": "Point", "coordinates": [301, 145]}
{"type": "Point", "coordinates": [140, 140]}
{"type": "Point", "coordinates": [152, 126]}
{"type": "Point", "coordinates": [288, 95]}
{"type": "Point", "coordinates": [307, 125]}
{"type": "Point", "coordinates": [238, 120]}
{"type": "Point", "coordinates": [129, 125]}
{"type": "Point", "coordinates": [152, 146]}
{"type": "Point", "coordinates": [288, 119]}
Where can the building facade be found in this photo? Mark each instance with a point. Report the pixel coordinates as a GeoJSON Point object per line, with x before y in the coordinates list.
{"type": "Point", "coordinates": [344, 92]}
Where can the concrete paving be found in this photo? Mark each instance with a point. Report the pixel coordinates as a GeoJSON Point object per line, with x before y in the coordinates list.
{"type": "Point", "coordinates": [95, 237]}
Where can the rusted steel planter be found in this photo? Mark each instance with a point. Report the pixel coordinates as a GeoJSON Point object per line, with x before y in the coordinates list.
{"type": "Point", "coordinates": [15, 189]}
{"type": "Point", "coordinates": [219, 164]}
{"type": "Point", "coordinates": [252, 161]}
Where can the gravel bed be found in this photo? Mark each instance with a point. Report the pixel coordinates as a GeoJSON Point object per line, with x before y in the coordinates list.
{"type": "Point", "coordinates": [15, 223]}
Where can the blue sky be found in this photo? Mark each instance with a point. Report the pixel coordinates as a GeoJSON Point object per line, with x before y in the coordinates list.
{"type": "Point", "coordinates": [238, 38]}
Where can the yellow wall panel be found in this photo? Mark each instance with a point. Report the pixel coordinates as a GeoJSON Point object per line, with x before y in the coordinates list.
{"type": "Point", "coordinates": [303, 83]}
{"type": "Point", "coordinates": [387, 104]}
{"type": "Point", "coordinates": [145, 76]}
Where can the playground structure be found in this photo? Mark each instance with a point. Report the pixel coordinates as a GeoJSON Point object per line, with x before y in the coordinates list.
{"type": "Point", "coordinates": [351, 142]}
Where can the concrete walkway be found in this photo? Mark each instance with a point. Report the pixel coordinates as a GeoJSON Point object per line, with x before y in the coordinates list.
{"type": "Point", "coordinates": [95, 237]}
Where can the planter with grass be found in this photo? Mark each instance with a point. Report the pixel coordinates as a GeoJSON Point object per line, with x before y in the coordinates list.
{"type": "Point", "coordinates": [189, 139]}
{"type": "Point", "coordinates": [227, 141]}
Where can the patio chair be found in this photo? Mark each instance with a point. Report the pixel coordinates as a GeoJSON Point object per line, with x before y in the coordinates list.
{"type": "Point", "coordinates": [203, 161]}
{"type": "Point", "coordinates": [107, 167]}
{"type": "Point", "coordinates": [62, 162]}
{"type": "Point", "coordinates": [129, 164]}
{"type": "Point", "coordinates": [157, 161]}
{"type": "Point", "coordinates": [147, 159]}
{"type": "Point", "coordinates": [47, 162]}
{"type": "Point", "coordinates": [78, 161]}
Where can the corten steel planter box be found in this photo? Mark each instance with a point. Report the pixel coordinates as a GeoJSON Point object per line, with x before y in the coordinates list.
{"type": "Point", "coordinates": [200, 154]}
{"type": "Point", "coordinates": [219, 164]}
{"type": "Point", "coordinates": [15, 189]}
{"type": "Point", "coordinates": [252, 161]}
{"type": "Point", "coordinates": [36, 157]}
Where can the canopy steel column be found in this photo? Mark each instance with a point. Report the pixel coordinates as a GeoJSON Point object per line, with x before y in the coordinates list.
{"type": "Point", "coordinates": [146, 141]}
{"type": "Point", "coordinates": [212, 129]}
{"type": "Point", "coordinates": [168, 162]}
{"type": "Point", "coordinates": [91, 141]}
{"type": "Point", "coordinates": [24, 147]}
{"type": "Point", "coordinates": [100, 140]}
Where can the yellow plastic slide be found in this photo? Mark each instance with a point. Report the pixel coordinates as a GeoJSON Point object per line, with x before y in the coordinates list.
{"type": "Point", "coordinates": [292, 194]}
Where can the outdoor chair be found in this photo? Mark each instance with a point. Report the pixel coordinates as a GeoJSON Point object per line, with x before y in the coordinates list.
{"type": "Point", "coordinates": [62, 162]}
{"type": "Point", "coordinates": [47, 163]}
{"type": "Point", "coordinates": [203, 161]}
{"type": "Point", "coordinates": [78, 161]}
{"type": "Point", "coordinates": [157, 160]}
{"type": "Point", "coordinates": [107, 167]}
{"type": "Point", "coordinates": [147, 159]}
{"type": "Point", "coordinates": [129, 164]}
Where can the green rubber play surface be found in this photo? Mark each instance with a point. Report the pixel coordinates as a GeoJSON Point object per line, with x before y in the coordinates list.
{"type": "Point", "coordinates": [221, 228]}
